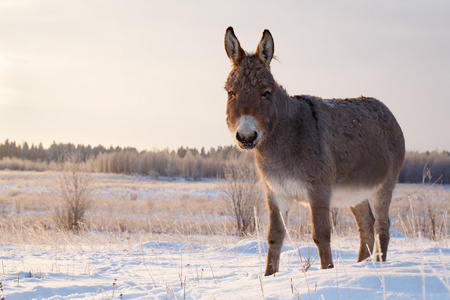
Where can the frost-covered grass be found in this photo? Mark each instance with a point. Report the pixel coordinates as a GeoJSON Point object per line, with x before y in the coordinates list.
{"type": "Point", "coordinates": [122, 204]}
{"type": "Point", "coordinates": [148, 239]}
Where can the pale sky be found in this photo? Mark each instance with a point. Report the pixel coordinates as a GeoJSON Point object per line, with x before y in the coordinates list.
{"type": "Point", "coordinates": [150, 74]}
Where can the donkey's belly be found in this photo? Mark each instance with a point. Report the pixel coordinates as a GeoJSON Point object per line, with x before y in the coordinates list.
{"type": "Point", "coordinates": [341, 196]}
{"type": "Point", "coordinates": [344, 196]}
{"type": "Point", "coordinates": [289, 189]}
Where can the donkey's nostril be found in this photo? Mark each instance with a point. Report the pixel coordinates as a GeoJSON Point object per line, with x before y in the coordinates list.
{"type": "Point", "coordinates": [253, 138]}
{"type": "Point", "coordinates": [238, 137]}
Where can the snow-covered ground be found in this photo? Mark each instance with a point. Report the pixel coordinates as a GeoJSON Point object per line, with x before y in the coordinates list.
{"type": "Point", "coordinates": [39, 262]}
{"type": "Point", "coordinates": [416, 269]}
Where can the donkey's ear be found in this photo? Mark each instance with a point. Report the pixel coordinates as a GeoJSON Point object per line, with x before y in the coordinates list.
{"type": "Point", "coordinates": [265, 49]}
{"type": "Point", "coordinates": [233, 47]}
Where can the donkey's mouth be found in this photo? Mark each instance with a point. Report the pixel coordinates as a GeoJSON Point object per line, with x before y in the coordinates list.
{"type": "Point", "coordinates": [247, 146]}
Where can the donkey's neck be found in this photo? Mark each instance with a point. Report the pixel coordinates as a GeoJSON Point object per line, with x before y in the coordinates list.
{"type": "Point", "coordinates": [295, 134]}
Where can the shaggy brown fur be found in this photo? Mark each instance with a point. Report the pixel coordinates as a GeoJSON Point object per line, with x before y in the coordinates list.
{"type": "Point", "coordinates": [322, 152]}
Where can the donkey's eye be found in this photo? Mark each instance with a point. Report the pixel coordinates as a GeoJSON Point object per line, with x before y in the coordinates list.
{"type": "Point", "coordinates": [265, 95]}
{"type": "Point", "coordinates": [231, 94]}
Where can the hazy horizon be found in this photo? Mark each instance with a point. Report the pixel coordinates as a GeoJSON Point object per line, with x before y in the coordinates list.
{"type": "Point", "coordinates": [150, 75]}
{"type": "Point", "coordinates": [108, 146]}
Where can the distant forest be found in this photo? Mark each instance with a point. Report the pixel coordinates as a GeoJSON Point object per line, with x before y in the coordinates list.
{"type": "Point", "coordinates": [189, 163]}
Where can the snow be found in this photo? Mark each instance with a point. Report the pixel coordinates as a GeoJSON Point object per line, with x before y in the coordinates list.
{"type": "Point", "coordinates": [213, 269]}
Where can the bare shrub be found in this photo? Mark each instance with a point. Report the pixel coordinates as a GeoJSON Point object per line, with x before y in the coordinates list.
{"type": "Point", "coordinates": [74, 193]}
{"type": "Point", "coordinates": [432, 227]}
{"type": "Point", "coordinates": [243, 193]}
{"type": "Point", "coordinates": [425, 210]}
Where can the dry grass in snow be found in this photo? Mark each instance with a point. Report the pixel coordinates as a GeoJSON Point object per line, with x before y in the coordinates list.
{"type": "Point", "coordinates": [147, 239]}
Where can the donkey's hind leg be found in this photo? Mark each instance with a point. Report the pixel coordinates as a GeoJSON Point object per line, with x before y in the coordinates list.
{"type": "Point", "coordinates": [364, 221]}
{"type": "Point", "coordinates": [381, 203]}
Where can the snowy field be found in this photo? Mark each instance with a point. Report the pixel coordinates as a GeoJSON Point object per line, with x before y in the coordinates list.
{"type": "Point", "coordinates": [39, 263]}
{"type": "Point", "coordinates": [184, 270]}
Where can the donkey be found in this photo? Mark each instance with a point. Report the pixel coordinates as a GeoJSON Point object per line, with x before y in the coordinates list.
{"type": "Point", "coordinates": [324, 153]}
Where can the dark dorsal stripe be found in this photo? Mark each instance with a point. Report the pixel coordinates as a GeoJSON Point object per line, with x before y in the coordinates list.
{"type": "Point", "coordinates": [310, 104]}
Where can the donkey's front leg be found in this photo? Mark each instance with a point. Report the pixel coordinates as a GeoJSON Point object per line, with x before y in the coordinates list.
{"type": "Point", "coordinates": [277, 230]}
{"type": "Point", "coordinates": [321, 225]}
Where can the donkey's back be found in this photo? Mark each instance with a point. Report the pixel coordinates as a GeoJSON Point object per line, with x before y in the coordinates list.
{"type": "Point", "coordinates": [362, 138]}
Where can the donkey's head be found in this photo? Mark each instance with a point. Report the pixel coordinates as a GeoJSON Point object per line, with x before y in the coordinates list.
{"type": "Point", "coordinates": [251, 110]}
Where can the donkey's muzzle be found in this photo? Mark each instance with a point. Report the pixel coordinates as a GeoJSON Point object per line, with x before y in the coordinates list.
{"type": "Point", "coordinates": [247, 142]}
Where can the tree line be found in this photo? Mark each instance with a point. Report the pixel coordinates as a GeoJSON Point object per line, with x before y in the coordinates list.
{"type": "Point", "coordinates": [190, 163]}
